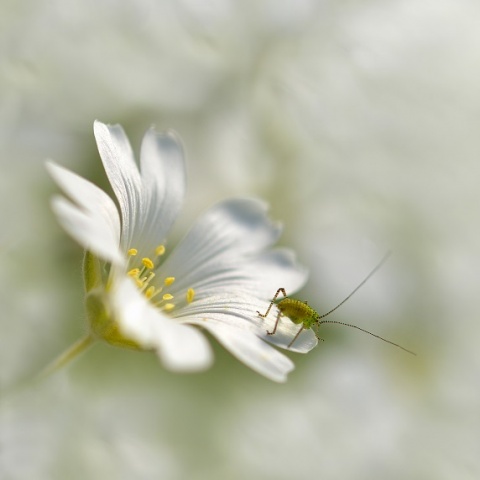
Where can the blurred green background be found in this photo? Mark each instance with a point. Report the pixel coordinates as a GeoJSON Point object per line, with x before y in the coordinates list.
{"type": "Point", "coordinates": [359, 122]}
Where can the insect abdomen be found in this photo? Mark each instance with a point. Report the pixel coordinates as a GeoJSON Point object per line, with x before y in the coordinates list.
{"type": "Point", "coordinates": [298, 312]}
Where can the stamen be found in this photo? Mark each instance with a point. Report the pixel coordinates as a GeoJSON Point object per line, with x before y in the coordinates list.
{"type": "Point", "coordinates": [150, 276]}
{"type": "Point", "coordinates": [148, 263]}
{"type": "Point", "coordinates": [131, 254]}
{"type": "Point", "coordinates": [143, 277]}
{"type": "Point", "coordinates": [146, 280]}
{"type": "Point", "coordinates": [158, 291]}
{"type": "Point", "coordinates": [150, 292]}
{"type": "Point", "coordinates": [190, 295]}
{"type": "Point", "coordinates": [134, 272]}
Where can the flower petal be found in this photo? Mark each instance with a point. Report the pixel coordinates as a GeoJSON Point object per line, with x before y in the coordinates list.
{"type": "Point", "coordinates": [259, 276]}
{"type": "Point", "coordinates": [87, 196]}
{"type": "Point", "coordinates": [163, 174]}
{"type": "Point", "coordinates": [89, 229]}
{"type": "Point", "coordinates": [122, 172]}
{"type": "Point", "coordinates": [180, 347]}
{"type": "Point", "coordinates": [222, 239]}
{"type": "Point", "coordinates": [274, 269]}
{"type": "Point", "coordinates": [252, 351]}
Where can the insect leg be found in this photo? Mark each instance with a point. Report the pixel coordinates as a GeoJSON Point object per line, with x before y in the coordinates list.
{"type": "Point", "coordinates": [277, 293]}
{"type": "Point", "coordinates": [276, 324]}
{"type": "Point", "coordinates": [272, 302]}
{"type": "Point", "coordinates": [316, 332]}
{"type": "Point", "coordinates": [295, 337]}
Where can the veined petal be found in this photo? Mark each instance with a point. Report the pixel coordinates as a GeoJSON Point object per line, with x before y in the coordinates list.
{"type": "Point", "coordinates": [122, 172]}
{"type": "Point", "coordinates": [89, 229]}
{"type": "Point", "coordinates": [228, 232]}
{"type": "Point", "coordinates": [163, 173]}
{"type": "Point", "coordinates": [180, 347]}
{"type": "Point", "coordinates": [259, 276]}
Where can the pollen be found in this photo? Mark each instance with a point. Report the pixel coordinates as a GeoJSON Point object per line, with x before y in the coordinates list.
{"type": "Point", "coordinates": [150, 291]}
{"type": "Point", "coordinates": [134, 272]}
{"type": "Point", "coordinates": [160, 250]}
{"type": "Point", "coordinates": [190, 295]}
{"type": "Point", "coordinates": [148, 263]}
{"type": "Point", "coordinates": [132, 252]}
{"type": "Point", "coordinates": [143, 277]}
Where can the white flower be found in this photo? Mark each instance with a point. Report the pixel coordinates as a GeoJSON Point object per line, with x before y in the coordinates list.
{"type": "Point", "coordinates": [219, 275]}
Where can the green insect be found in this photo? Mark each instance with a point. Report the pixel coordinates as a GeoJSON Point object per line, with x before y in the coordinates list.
{"type": "Point", "coordinates": [300, 313]}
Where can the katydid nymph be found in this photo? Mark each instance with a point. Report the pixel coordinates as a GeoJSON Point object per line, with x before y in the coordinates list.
{"type": "Point", "coordinates": [300, 313]}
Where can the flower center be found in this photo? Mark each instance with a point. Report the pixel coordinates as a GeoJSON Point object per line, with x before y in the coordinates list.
{"type": "Point", "coordinates": [154, 289]}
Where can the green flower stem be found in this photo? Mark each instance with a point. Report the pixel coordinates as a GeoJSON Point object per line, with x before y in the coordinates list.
{"type": "Point", "coordinates": [68, 355]}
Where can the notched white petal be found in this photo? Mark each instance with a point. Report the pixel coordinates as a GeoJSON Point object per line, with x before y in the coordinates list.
{"type": "Point", "coordinates": [162, 158]}
{"type": "Point", "coordinates": [241, 223]}
{"type": "Point", "coordinates": [88, 229]}
{"type": "Point", "coordinates": [222, 239]}
{"type": "Point", "coordinates": [274, 269]}
{"type": "Point", "coordinates": [163, 173]}
{"type": "Point", "coordinates": [117, 155]}
{"type": "Point", "coordinates": [87, 196]}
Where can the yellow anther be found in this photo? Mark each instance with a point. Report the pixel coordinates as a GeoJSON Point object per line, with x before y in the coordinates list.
{"type": "Point", "coordinates": [169, 280]}
{"type": "Point", "coordinates": [150, 291]}
{"type": "Point", "coordinates": [169, 306]}
{"type": "Point", "coordinates": [160, 250]}
{"type": "Point", "coordinates": [148, 263]}
{"type": "Point", "coordinates": [190, 295]}
{"type": "Point", "coordinates": [132, 252]}
{"type": "Point", "coordinates": [139, 283]}
{"type": "Point", "coordinates": [134, 272]}
{"type": "Point", "coordinates": [167, 296]}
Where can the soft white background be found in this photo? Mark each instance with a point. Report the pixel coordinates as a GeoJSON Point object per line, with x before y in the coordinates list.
{"type": "Point", "coordinates": [359, 122]}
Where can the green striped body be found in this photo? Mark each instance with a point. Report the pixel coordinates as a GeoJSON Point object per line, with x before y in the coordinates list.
{"type": "Point", "coordinates": [298, 312]}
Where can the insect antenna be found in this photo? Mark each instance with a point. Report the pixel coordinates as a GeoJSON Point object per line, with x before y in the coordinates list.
{"type": "Point", "coordinates": [370, 333]}
{"type": "Point", "coordinates": [382, 261]}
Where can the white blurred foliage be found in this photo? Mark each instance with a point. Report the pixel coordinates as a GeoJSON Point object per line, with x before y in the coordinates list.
{"type": "Point", "coordinates": [359, 122]}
